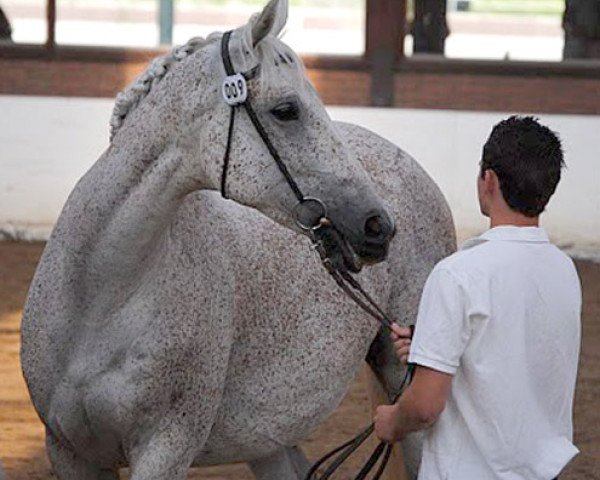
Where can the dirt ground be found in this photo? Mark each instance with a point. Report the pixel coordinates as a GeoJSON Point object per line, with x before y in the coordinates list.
{"type": "Point", "coordinates": [21, 433]}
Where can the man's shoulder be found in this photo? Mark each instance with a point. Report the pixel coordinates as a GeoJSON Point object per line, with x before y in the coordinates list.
{"type": "Point", "coordinates": [469, 266]}
{"type": "Point", "coordinates": [464, 259]}
{"type": "Point", "coordinates": [479, 260]}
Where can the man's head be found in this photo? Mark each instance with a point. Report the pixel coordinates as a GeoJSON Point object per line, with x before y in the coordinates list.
{"type": "Point", "coordinates": [520, 167]}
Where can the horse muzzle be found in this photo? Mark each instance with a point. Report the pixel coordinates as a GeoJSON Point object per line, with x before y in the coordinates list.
{"type": "Point", "coordinates": [346, 255]}
{"type": "Point", "coordinates": [378, 233]}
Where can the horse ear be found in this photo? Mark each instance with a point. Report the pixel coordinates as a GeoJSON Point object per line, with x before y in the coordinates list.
{"type": "Point", "coordinates": [270, 21]}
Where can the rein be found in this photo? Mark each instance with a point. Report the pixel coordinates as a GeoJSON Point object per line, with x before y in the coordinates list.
{"type": "Point", "coordinates": [320, 229]}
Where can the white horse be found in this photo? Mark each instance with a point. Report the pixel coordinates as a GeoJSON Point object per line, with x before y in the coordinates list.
{"type": "Point", "coordinates": [166, 327]}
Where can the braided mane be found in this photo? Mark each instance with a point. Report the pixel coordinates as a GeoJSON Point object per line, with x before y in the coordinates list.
{"type": "Point", "coordinates": [129, 98]}
{"type": "Point", "coordinates": [269, 48]}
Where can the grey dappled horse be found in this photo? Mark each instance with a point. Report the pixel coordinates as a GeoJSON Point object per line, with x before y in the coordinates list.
{"type": "Point", "coordinates": [166, 327]}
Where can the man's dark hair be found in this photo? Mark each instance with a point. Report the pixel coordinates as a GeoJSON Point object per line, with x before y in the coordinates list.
{"type": "Point", "coordinates": [527, 158]}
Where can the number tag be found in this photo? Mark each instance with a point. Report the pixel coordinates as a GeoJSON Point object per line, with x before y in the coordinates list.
{"type": "Point", "coordinates": [235, 90]}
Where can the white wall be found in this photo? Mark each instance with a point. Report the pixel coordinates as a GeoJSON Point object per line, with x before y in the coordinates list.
{"type": "Point", "coordinates": [48, 143]}
{"type": "Point", "coordinates": [448, 145]}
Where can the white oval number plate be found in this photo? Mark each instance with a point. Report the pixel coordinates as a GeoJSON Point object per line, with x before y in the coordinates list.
{"type": "Point", "coordinates": [235, 90]}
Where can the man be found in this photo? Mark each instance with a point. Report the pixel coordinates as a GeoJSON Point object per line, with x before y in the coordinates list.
{"type": "Point", "coordinates": [497, 341]}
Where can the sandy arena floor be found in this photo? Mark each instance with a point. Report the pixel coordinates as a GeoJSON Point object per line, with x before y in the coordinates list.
{"type": "Point", "coordinates": [21, 433]}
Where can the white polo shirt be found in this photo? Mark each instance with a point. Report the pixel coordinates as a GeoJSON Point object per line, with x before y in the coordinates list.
{"type": "Point", "coordinates": [502, 315]}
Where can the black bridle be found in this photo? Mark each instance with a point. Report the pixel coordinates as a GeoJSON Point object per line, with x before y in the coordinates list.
{"type": "Point", "coordinates": [242, 97]}
{"type": "Point", "coordinates": [320, 230]}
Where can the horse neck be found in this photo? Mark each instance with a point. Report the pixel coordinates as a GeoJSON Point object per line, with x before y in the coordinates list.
{"type": "Point", "coordinates": [125, 203]}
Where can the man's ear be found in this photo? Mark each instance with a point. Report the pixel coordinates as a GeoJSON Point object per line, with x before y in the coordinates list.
{"type": "Point", "coordinates": [492, 183]}
{"type": "Point", "coordinates": [270, 21]}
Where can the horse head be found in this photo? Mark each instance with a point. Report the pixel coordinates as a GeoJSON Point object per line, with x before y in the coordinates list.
{"type": "Point", "coordinates": [316, 162]}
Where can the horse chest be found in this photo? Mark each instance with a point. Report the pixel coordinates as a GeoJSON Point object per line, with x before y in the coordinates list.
{"type": "Point", "coordinates": [298, 343]}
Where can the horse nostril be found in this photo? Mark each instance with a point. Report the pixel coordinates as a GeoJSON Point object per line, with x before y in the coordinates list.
{"type": "Point", "coordinates": [374, 226]}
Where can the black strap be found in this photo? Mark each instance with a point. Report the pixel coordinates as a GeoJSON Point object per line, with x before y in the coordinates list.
{"type": "Point", "coordinates": [227, 152]}
{"type": "Point", "coordinates": [273, 151]}
{"type": "Point", "coordinates": [225, 53]}
{"type": "Point", "coordinates": [344, 451]}
{"type": "Point", "coordinates": [384, 462]}
{"type": "Point", "coordinates": [371, 462]}
{"type": "Point", "coordinates": [229, 70]}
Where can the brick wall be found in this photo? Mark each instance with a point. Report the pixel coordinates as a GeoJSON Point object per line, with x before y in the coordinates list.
{"type": "Point", "coordinates": [342, 87]}
{"type": "Point", "coordinates": [486, 87]}
{"type": "Point", "coordinates": [498, 93]}
{"type": "Point", "coordinates": [68, 78]}
{"type": "Point", "coordinates": [106, 79]}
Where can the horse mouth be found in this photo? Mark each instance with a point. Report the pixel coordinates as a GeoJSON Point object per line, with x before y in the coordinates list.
{"type": "Point", "coordinates": [344, 257]}
{"type": "Point", "coordinates": [372, 253]}
{"type": "Point", "coordinates": [347, 256]}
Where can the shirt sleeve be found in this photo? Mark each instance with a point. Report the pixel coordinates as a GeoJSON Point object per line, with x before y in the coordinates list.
{"type": "Point", "coordinates": [442, 329]}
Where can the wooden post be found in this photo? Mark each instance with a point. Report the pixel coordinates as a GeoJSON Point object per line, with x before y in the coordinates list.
{"type": "Point", "coordinates": [384, 46]}
{"type": "Point", "coordinates": [430, 28]}
{"type": "Point", "coordinates": [396, 469]}
{"type": "Point", "coordinates": [582, 30]}
{"type": "Point", "coordinates": [51, 24]}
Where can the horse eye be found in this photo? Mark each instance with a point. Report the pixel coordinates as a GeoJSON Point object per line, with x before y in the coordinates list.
{"type": "Point", "coordinates": [286, 112]}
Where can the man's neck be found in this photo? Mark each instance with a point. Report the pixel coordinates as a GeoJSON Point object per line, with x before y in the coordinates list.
{"type": "Point", "coordinates": [513, 219]}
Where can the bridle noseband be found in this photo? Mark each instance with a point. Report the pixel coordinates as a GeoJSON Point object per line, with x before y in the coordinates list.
{"type": "Point", "coordinates": [319, 228]}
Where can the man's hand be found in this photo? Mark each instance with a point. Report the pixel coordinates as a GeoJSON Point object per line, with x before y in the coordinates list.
{"type": "Point", "coordinates": [401, 336]}
{"type": "Point", "coordinates": [387, 423]}
{"type": "Point", "coordinates": [419, 406]}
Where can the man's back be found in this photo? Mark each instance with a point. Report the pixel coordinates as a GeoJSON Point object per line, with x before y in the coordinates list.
{"type": "Point", "coordinates": [516, 299]}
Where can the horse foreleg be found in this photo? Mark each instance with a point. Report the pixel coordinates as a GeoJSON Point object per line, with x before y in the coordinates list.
{"type": "Point", "coordinates": [68, 465]}
{"type": "Point", "coordinates": [288, 463]}
{"type": "Point", "coordinates": [167, 455]}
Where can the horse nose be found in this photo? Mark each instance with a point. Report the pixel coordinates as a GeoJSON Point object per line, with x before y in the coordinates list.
{"type": "Point", "coordinates": [378, 228]}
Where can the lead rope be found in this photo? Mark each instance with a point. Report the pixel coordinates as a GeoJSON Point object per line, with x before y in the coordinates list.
{"type": "Point", "coordinates": [355, 291]}
{"type": "Point", "coordinates": [344, 451]}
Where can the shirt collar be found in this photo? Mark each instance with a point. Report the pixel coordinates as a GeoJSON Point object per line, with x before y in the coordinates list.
{"type": "Point", "coordinates": [509, 233]}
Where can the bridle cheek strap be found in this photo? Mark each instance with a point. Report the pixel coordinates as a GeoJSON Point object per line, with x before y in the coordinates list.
{"type": "Point", "coordinates": [227, 153]}
{"type": "Point", "coordinates": [236, 94]}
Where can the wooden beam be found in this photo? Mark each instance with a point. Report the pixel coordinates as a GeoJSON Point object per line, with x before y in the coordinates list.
{"type": "Point", "coordinates": [384, 46]}
{"type": "Point", "coordinates": [51, 24]}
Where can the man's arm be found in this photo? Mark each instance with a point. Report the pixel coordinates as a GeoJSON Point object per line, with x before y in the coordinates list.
{"type": "Point", "coordinates": [419, 407]}
{"type": "Point", "coordinates": [442, 333]}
